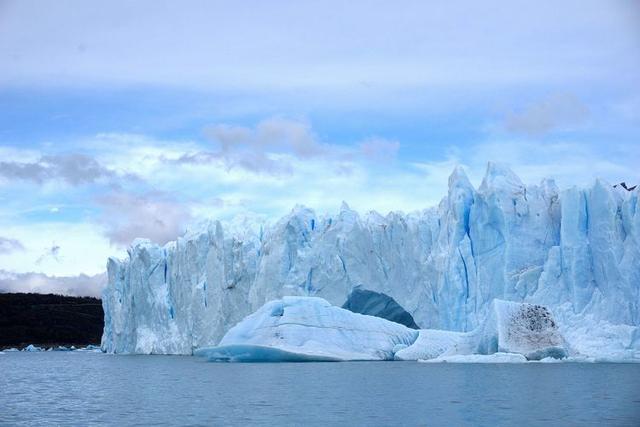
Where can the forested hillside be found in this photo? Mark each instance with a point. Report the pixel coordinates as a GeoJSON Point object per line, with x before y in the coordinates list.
{"type": "Point", "coordinates": [49, 320]}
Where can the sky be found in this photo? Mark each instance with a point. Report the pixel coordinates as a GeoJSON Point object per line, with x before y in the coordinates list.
{"type": "Point", "coordinates": [139, 119]}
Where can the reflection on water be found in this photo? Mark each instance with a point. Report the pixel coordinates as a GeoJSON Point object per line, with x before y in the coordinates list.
{"type": "Point", "coordinates": [88, 388]}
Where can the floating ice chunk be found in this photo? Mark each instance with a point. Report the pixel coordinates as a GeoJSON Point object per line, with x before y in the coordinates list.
{"type": "Point", "coordinates": [90, 349]}
{"type": "Point", "coordinates": [431, 343]}
{"type": "Point", "coordinates": [32, 348]}
{"type": "Point", "coordinates": [510, 327]}
{"type": "Point", "coordinates": [527, 329]}
{"type": "Point", "coordinates": [309, 328]}
{"type": "Point", "coordinates": [551, 360]}
{"type": "Point", "coordinates": [479, 358]}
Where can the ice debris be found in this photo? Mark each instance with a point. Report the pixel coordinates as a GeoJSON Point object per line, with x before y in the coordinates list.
{"type": "Point", "coordinates": [296, 329]}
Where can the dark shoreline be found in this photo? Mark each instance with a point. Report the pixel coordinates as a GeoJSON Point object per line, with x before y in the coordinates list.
{"type": "Point", "coordinates": [49, 320]}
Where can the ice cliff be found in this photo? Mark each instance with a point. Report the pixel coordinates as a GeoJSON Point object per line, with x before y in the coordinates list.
{"type": "Point", "coordinates": [575, 251]}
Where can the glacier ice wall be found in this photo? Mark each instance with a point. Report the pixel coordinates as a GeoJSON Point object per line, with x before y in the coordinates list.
{"type": "Point", "coordinates": [576, 251]}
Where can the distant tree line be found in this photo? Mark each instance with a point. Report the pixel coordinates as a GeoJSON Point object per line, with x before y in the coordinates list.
{"type": "Point", "coordinates": [49, 320]}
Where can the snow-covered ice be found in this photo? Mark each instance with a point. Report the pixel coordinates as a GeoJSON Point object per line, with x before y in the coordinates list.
{"type": "Point", "coordinates": [309, 328]}
{"type": "Point", "coordinates": [574, 251]}
{"type": "Point", "coordinates": [432, 343]}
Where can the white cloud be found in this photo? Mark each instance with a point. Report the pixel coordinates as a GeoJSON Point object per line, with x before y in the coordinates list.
{"type": "Point", "coordinates": [275, 144]}
{"type": "Point", "coordinates": [568, 162]}
{"type": "Point", "coordinates": [8, 245]}
{"type": "Point", "coordinates": [82, 248]}
{"type": "Point", "coordinates": [155, 216]}
{"type": "Point", "coordinates": [81, 285]}
{"type": "Point", "coordinates": [170, 197]}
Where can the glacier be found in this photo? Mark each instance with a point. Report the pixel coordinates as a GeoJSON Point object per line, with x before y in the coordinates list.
{"type": "Point", "coordinates": [575, 251]}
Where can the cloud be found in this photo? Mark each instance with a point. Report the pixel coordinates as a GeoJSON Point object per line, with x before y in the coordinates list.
{"type": "Point", "coordinates": [274, 145]}
{"type": "Point", "coordinates": [81, 285]}
{"type": "Point", "coordinates": [156, 216]}
{"type": "Point", "coordinates": [309, 44]}
{"type": "Point", "coordinates": [555, 112]}
{"type": "Point", "coordinates": [8, 245]}
{"type": "Point", "coordinates": [83, 247]}
{"type": "Point", "coordinates": [51, 253]}
{"type": "Point", "coordinates": [256, 149]}
{"type": "Point", "coordinates": [379, 149]}
{"type": "Point", "coordinates": [258, 162]}
{"type": "Point", "coordinates": [75, 169]}
{"type": "Point", "coordinates": [568, 162]}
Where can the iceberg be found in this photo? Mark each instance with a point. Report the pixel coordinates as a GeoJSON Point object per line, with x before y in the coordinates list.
{"type": "Point", "coordinates": [574, 251]}
{"type": "Point", "coordinates": [32, 348]}
{"type": "Point", "coordinates": [510, 328]}
{"type": "Point", "coordinates": [90, 349]}
{"type": "Point", "coordinates": [296, 329]}
{"type": "Point", "coordinates": [479, 358]}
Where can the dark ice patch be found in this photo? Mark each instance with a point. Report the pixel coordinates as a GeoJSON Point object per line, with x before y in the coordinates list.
{"type": "Point", "coordinates": [377, 304]}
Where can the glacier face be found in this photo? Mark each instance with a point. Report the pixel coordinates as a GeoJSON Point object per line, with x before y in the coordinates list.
{"type": "Point", "coordinates": [575, 251]}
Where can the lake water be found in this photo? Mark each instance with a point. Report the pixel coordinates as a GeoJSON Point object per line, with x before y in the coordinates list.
{"type": "Point", "coordinates": [98, 389]}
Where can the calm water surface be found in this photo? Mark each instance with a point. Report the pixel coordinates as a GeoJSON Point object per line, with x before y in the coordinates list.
{"type": "Point", "coordinates": [98, 389]}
